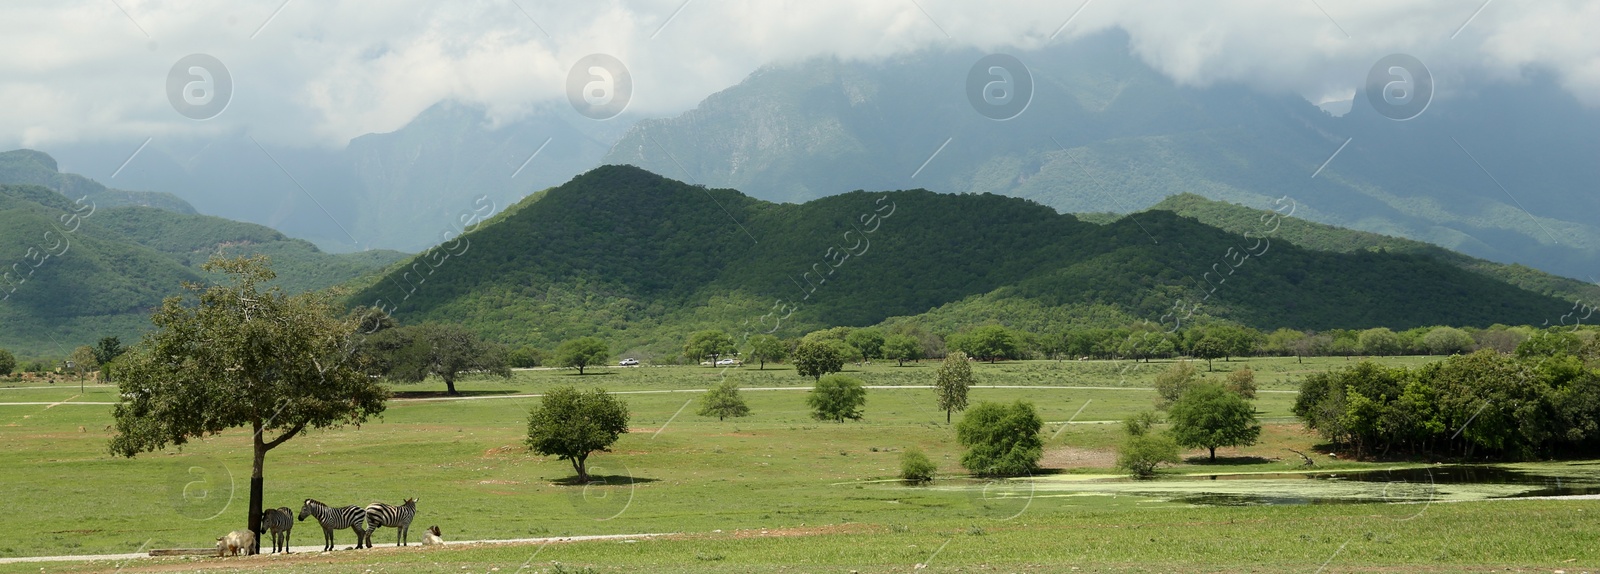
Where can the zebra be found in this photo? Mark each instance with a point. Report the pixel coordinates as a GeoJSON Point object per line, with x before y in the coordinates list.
{"type": "Point", "coordinates": [397, 517]}
{"type": "Point", "coordinates": [279, 521]}
{"type": "Point", "coordinates": [336, 519]}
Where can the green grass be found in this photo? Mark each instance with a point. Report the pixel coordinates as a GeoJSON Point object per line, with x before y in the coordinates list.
{"type": "Point", "coordinates": [821, 490]}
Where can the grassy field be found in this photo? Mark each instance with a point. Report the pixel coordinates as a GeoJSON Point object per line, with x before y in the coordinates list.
{"type": "Point", "coordinates": [776, 491]}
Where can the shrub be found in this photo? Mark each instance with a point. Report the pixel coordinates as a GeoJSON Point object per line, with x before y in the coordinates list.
{"type": "Point", "coordinates": [1141, 454]}
{"type": "Point", "coordinates": [916, 467]}
{"type": "Point", "coordinates": [836, 398]}
{"type": "Point", "coordinates": [1001, 440]}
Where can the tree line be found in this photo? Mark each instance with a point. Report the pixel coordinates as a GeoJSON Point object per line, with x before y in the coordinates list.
{"type": "Point", "coordinates": [1540, 401]}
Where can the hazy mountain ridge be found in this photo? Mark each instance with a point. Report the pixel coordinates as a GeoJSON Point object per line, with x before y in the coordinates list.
{"type": "Point", "coordinates": [26, 166]}
{"type": "Point", "coordinates": [1105, 132]}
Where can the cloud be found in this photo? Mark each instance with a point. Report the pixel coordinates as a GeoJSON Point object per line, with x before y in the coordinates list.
{"type": "Point", "coordinates": [320, 73]}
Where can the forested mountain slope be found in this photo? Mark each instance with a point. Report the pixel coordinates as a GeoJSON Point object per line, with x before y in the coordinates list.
{"type": "Point", "coordinates": [640, 259]}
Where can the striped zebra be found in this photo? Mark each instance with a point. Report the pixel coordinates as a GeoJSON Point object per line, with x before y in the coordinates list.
{"type": "Point", "coordinates": [279, 521]}
{"type": "Point", "coordinates": [336, 519]}
{"type": "Point", "coordinates": [397, 517]}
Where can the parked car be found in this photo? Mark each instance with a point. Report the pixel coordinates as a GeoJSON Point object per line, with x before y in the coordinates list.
{"type": "Point", "coordinates": [728, 362]}
{"type": "Point", "coordinates": [630, 362]}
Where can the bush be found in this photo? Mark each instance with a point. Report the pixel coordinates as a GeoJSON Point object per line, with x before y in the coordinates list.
{"type": "Point", "coordinates": [915, 466]}
{"type": "Point", "coordinates": [1141, 454]}
{"type": "Point", "coordinates": [8, 362]}
{"type": "Point", "coordinates": [1001, 440]}
{"type": "Point", "coordinates": [836, 398]}
{"type": "Point", "coordinates": [524, 357]}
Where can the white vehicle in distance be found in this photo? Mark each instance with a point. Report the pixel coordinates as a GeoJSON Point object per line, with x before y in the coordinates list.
{"type": "Point", "coordinates": [728, 362]}
{"type": "Point", "coordinates": [630, 362]}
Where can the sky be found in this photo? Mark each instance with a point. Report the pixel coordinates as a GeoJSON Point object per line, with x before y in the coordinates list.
{"type": "Point", "coordinates": [318, 73]}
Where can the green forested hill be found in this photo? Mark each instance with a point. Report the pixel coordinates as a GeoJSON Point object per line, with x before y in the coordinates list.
{"type": "Point", "coordinates": [195, 238]}
{"type": "Point", "coordinates": [641, 260]}
{"type": "Point", "coordinates": [78, 271]}
{"type": "Point", "coordinates": [1322, 237]}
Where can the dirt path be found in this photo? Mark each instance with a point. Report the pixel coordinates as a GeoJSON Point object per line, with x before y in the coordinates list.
{"type": "Point", "coordinates": [317, 549]}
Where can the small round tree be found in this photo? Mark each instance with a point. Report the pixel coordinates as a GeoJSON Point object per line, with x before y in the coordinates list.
{"type": "Point", "coordinates": [724, 401]}
{"type": "Point", "coordinates": [1209, 416]}
{"type": "Point", "coordinates": [868, 341]}
{"type": "Point", "coordinates": [816, 358]}
{"type": "Point", "coordinates": [1001, 440]}
{"type": "Point", "coordinates": [902, 348]}
{"type": "Point", "coordinates": [1208, 348]}
{"type": "Point", "coordinates": [572, 425]}
{"type": "Point", "coordinates": [582, 352]}
{"type": "Point", "coordinates": [709, 343]}
{"type": "Point", "coordinates": [767, 349]}
{"type": "Point", "coordinates": [836, 398]}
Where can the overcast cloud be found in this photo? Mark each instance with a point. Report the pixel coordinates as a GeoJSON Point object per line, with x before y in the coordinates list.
{"type": "Point", "coordinates": [322, 72]}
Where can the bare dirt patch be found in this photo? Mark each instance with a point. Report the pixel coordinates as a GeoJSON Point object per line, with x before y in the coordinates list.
{"type": "Point", "coordinates": [1074, 457]}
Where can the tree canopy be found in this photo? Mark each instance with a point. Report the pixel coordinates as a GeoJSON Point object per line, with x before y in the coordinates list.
{"type": "Point", "coordinates": [1001, 440]}
{"type": "Point", "coordinates": [766, 349]}
{"type": "Point", "coordinates": [572, 424]}
{"type": "Point", "coordinates": [410, 354]}
{"type": "Point", "coordinates": [582, 352]}
{"type": "Point", "coordinates": [241, 355]}
{"type": "Point", "coordinates": [868, 341]}
{"type": "Point", "coordinates": [1208, 416]}
{"type": "Point", "coordinates": [710, 343]}
{"type": "Point", "coordinates": [1484, 405]}
{"type": "Point", "coordinates": [836, 398]}
{"type": "Point", "coordinates": [902, 348]}
{"type": "Point", "coordinates": [8, 362]}
{"type": "Point", "coordinates": [815, 358]}
{"type": "Point", "coordinates": [952, 382]}
{"type": "Point", "coordinates": [723, 401]}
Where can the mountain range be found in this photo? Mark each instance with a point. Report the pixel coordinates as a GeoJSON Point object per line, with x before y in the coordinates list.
{"type": "Point", "coordinates": [642, 260]}
{"type": "Point", "coordinates": [1493, 168]}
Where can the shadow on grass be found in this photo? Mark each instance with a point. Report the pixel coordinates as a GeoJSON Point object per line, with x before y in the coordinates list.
{"type": "Point", "coordinates": [604, 480]}
{"type": "Point", "coordinates": [589, 374]}
{"type": "Point", "coordinates": [443, 394]}
{"type": "Point", "coordinates": [1203, 460]}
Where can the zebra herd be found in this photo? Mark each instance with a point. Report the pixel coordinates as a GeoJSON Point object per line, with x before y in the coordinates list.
{"type": "Point", "coordinates": [362, 521]}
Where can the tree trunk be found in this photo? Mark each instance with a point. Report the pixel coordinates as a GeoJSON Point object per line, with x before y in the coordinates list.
{"type": "Point", "coordinates": [258, 461]}
{"type": "Point", "coordinates": [450, 385]}
{"type": "Point", "coordinates": [578, 464]}
{"type": "Point", "coordinates": [1213, 454]}
{"type": "Point", "coordinates": [763, 365]}
{"type": "Point", "coordinates": [580, 370]}
{"type": "Point", "coordinates": [947, 416]}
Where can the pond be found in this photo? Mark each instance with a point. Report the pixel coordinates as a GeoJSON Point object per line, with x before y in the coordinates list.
{"type": "Point", "coordinates": [1436, 483]}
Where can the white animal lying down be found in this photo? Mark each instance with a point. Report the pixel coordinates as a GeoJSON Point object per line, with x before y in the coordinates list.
{"type": "Point", "coordinates": [432, 538]}
{"type": "Point", "coordinates": [236, 541]}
